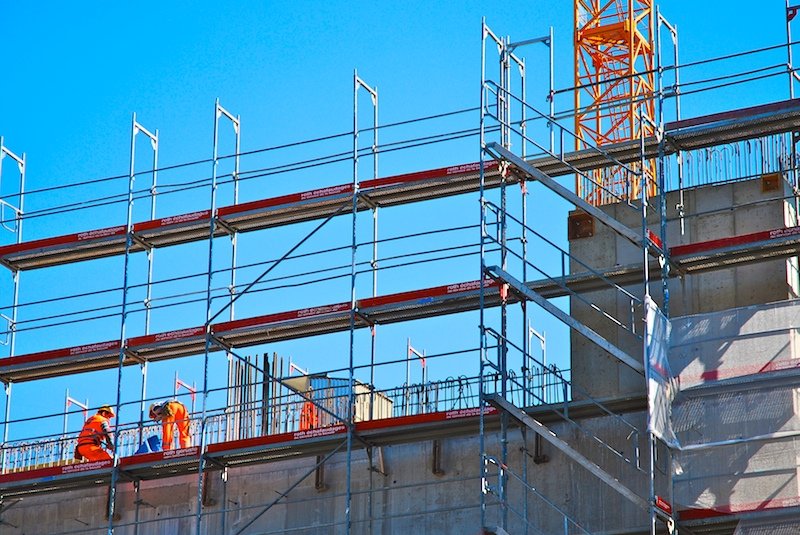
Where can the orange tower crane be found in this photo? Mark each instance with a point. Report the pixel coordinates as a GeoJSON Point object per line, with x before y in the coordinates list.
{"type": "Point", "coordinates": [614, 58]}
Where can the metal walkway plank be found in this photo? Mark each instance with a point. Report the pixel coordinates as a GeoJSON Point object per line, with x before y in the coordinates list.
{"type": "Point", "coordinates": [688, 134]}
{"type": "Point", "coordinates": [391, 308]}
{"type": "Point", "coordinates": [245, 217]}
{"type": "Point", "coordinates": [253, 450]}
{"type": "Point", "coordinates": [462, 297]}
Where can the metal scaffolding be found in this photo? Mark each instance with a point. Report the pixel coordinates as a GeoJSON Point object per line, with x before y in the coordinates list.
{"type": "Point", "coordinates": [496, 343]}
{"type": "Point", "coordinates": [265, 413]}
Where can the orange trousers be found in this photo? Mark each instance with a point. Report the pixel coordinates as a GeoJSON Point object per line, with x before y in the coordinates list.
{"type": "Point", "coordinates": [92, 452]}
{"type": "Point", "coordinates": [179, 419]}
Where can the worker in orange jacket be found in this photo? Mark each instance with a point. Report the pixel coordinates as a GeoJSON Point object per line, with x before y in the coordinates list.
{"type": "Point", "coordinates": [95, 432]}
{"type": "Point", "coordinates": [172, 414]}
{"type": "Point", "coordinates": [309, 415]}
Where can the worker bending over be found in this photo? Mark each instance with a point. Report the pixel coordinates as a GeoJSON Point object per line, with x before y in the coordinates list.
{"type": "Point", "coordinates": [95, 431]}
{"type": "Point", "coordinates": [172, 413]}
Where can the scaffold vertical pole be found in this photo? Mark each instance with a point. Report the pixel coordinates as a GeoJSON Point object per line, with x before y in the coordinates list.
{"type": "Point", "coordinates": [407, 389]}
{"type": "Point", "coordinates": [523, 185]}
{"type": "Point", "coordinates": [673, 31]}
{"type": "Point", "coordinates": [791, 12]}
{"type": "Point", "coordinates": [551, 96]}
{"type": "Point", "coordinates": [237, 128]}
{"type": "Point", "coordinates": [646, 297]}
{"type": "Point", "coordinates": [485, 32]}
{"type": "Point", "coordinates": [153, 137]}
{"type": "Point", "coordinates": [351, 356]}
{"type": "Point", "coordinates": [659, 131]}
{"type": "Point", "coordinates": [123, 324]}
{"type": "Point", "coordinates": [153, 195]}
{"type": "Point", "coordinates": [662, 188]}
{"type": "Point", "coordinates": [19, 212]}
{"type": "Point", "coordinates": [374, 263]}
{"type": "Point", "coordinates": [546, 40]}
{"type": "Point", "coordinates": [209, 280]}
{"type": "Point", "coordinates": [6, 418]}
{"type": "Point", "coordinates": [358, 83]}
{"type": "Point", "coordinates": [219, 111]}
{"type": "Point", "coordinates": [503, 111]}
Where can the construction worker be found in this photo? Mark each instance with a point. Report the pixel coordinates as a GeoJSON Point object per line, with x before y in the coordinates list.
{"type": "Point", "coordinates": [309, 415]}
{"type": "Point", "coordinates": [95, 431]}
{"type": "Point", "coordinates": [171, 413]}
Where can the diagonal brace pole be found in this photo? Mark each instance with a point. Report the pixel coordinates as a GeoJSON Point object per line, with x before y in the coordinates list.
{"type": "Point", "coordinates": [502, 153]}
{"type": "Point", "coordinates": [523, 290]}
{"type": "Point", "coordinates": [569, 451]}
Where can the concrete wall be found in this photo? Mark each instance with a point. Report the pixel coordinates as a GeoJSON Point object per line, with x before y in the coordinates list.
{"type": "Point", "coordinates": [409, 499]}
{"type": "Point", "coordinates": [712, 212]}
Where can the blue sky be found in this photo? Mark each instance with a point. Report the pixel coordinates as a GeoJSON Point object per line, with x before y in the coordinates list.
{"type": "Point", "coordinates": [72, 75]}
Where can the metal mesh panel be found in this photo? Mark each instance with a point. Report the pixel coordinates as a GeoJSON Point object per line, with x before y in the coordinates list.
{"type": "Point", "coordinates": [781, 526]}
{"type": "Point", "coordinates": [735, 415]}
{"type": "Point", "coordinates": [735, 344]}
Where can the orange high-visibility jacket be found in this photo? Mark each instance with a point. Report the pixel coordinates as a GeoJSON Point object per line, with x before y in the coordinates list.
{"type": "Point", "coordinates": [95, 431]}
{"type": "Point", "coordinates": [174, 412]}
{"type": "Point", "coordinates": [309, 416]}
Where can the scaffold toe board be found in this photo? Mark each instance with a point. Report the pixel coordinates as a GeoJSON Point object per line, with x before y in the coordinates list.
{"type": "Point", "coordinates": [450, 299]}
{"type": "Point", "coordinates": [174, 230]}
{"type": "Point", "coordinates": [66, 475]}
{"type": "Point", "coordinates": [62, 361]}
{"type": "Point", "coordinates": [277, 446]}
{"type": "Point", "coordinates": [736, 250]}
{"type": "Point", "coordinates": [65, 249]}
{"type": "Point", "coordinates": [168, 344]}
{"type": "Point", "coordinates": [161, 463]}
{"type": "Point", "coordinates": [734, 125]}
